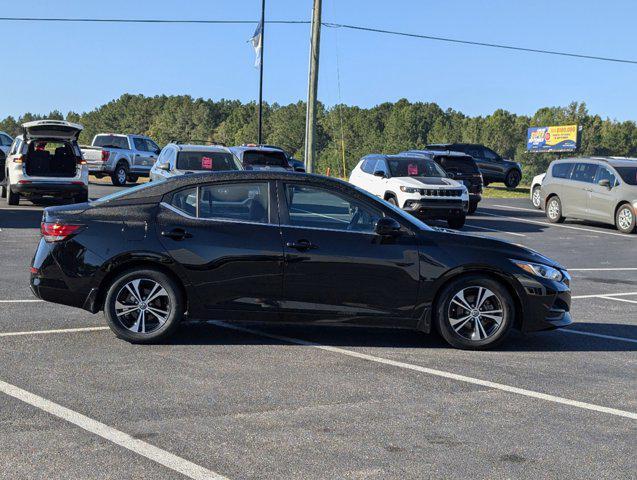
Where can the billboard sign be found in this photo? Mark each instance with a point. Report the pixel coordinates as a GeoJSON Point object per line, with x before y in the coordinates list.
{"type": "Point", "coordinates": [552, 139]}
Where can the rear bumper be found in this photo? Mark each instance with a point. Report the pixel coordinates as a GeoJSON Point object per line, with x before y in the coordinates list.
{"type": "Point", "coordinates": [99, 168]}
{"type": "Point", "coordinates": [49, 188]}
{"type": "Point", "coordinates": [475, 197]}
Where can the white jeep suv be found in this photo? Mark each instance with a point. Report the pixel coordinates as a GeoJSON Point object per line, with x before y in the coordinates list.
{"type": "Point", "coordinates": [418, 185]}
{"type": "Point", "coordinates": [46, 161]}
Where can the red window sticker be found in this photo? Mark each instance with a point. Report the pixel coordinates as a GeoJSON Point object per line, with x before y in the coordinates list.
{"type": "Point", "coordinates": [412, 169]}
{"type": "Point", "coordinates": [206, 163]}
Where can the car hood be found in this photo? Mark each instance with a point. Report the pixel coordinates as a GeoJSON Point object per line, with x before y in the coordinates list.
{"type": "Point", "coordinates": [459, 240]}
{"type": "Point", "coordinates": [420, 182]}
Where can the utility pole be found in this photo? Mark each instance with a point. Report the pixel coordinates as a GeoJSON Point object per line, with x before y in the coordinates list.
{"type": "Point", "coordinates": [310, 117]}
{"type": "Point", "coordinates": [260, 135]}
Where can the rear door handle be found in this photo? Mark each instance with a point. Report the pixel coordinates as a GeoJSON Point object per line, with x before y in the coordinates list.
{"type": "Point", "coordinates": [176, 234]}
{"type": "Point", "coordinates": [301, 245]}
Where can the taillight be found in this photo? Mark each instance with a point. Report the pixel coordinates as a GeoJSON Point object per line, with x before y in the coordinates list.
{"type": "Point", "coordinates": [19, 159]}
{"type": "Point", "coordinates": [80, 161]}
{"type": "Point", "coordinates": [105, 155]}
{"type": "Point", "coordinates": [56, 232]}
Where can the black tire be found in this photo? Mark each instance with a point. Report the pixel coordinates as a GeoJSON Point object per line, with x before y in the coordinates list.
{"type": "Point", "coordinates": [554, 210]}
{"type": "Point", "coordinates": [536, 200]}
{"type": "Point", "coordinates": [457, 221]}
{"type": "Point", "coordinates": [392, 200]}
{"type": "Point", "coordinates": [12, 198]}
{"type": "Point", "coordinates": [473, 206]}
{"type": "Point", "coordinates": [3, 189]}
{"type": "Point", "coordinates": [120, 174]}
{"type": "Point", "coordinates": [512, 179]}
{"type": "Point", "coordinates": [174, 305]}
{"type": "Point", "coordinates": [625, 218]}
{"type": "Point", "coordinates": [463, 336]}
{"type": "Point", "coordinates": [132, 178]}
{"type": "Point", "coordinates": [98, 175]}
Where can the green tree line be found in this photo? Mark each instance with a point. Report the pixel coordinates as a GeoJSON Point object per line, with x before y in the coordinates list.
{"type": "Point", "coordinates": [345, 133]}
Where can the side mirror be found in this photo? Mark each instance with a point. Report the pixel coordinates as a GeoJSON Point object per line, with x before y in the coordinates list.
{"type": "Point", "coordinates": [164, 166]}
{"type": "Point", "coordinates": [387, 227]}
{"type": "Point", "coordinates": [604, 183]}
{"type": "Point", "coordinates": [379, 173]}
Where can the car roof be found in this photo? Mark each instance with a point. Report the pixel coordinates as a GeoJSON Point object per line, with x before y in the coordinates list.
{"type": "Point", "coordinates": [243, 148]}
{"type": "Point", "coordinates": [614, 161]}
{"type": "Point", "coordinates": [386, 156]}
{"type": "Point", "coordinates": [438, 153]}
{"type": "Point", "coordinates": [191, 147]}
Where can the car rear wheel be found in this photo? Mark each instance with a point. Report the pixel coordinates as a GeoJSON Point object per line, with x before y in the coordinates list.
{"type": "Point", "coordinates": [143, 306]}
{"type": "Point", "coordinates": [12, 198]}
{"type": "Point", "coordinates": [475, 313]}
{"type": "Point", "coordinates": [625, 219]}
{"type": "Point", "coordinates": [536, 199]}
{"type": "Point", "coordinates": [473, 206]}
{"type": "Point", "coordinates": [119, 176]}
{"type": "Point", "coordinates": [457, 221]}
{"type": "Point", "coordinates": [393, 201]}
{"type": "Point", "coordinates": [554, 210]}
{"type": "Point", "coordinates": [512, 179]}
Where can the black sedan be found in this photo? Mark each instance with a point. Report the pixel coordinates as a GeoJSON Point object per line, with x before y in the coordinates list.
{"type": "Point", "coordinates": [287, 247]}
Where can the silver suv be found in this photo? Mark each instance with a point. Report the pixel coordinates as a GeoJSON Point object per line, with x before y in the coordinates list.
{"type": "Point", "coordinates": [176, 159]}
{"type": "Point", "coordinates": [602, 189]}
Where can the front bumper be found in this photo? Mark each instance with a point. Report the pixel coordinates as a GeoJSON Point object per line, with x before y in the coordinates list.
{"type": "Point", "coordinates": [425, 208]}
{"type": "Point", "coordinates": [546, 304]}
{"type": "Point", "coordinates": [50, 188]}
{"type": "Point", "coordinates": [475, 197]}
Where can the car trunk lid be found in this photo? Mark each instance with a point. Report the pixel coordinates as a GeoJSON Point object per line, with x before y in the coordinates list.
{"type": "Point", "coordinates": [51, 129]}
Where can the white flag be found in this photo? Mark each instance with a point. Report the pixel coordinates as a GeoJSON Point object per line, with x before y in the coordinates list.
{"type": "Point", "coordinates": [257, 44]}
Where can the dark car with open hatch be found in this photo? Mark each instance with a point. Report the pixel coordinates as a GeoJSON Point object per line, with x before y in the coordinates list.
{"type": "Point", "coordinates": [285, 247]}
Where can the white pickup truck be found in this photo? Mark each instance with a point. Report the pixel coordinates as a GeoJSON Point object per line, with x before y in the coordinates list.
{"type": "Point", "coordinates": [122, 157]}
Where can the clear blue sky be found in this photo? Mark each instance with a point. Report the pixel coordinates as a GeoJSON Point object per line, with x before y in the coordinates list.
{"type": "Point", "coordinates": [80, 66]}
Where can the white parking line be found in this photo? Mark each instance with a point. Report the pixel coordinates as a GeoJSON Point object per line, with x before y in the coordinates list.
{"type": "Point", "coordinates": [599, 335]}
{"type": "Point", "coordinates": [559, 225]}
{"type": "Point", "coordinates": [56, 330]}
{"type": "Point", "coordinates": [605, 269]}
{"type": "Point", "coordinates": [494, 230]}
{"type": "Point", "coordinates": [617, 299]}
{"type": "Point", "coordinates": [509, 207]}
{"type": "Point", "coordinates": [604, 295]}
{"type": "Point", "coordinates": [156, 454]}
{"type": "Point", "coordinates": [34, 300]}
{"type": "Point", "coordinates": [438, 373]}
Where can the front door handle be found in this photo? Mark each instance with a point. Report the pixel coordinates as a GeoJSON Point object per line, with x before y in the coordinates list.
{"type": "Point", "coordinates": [177, 234]}
{"type": "Point", "coordinates": [301, 245]}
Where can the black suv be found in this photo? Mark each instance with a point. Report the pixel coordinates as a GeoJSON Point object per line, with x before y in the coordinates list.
{"type": "Point", "coordinates": [460, 167]}
{"type": "Point", "coordinates": [493, 167]}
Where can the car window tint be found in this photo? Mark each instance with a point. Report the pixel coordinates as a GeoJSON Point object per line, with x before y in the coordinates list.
{"type": "Point", "coordinates": [111, 141]}
{"type": "Point", "coordinates": [562, 170]}
{"type": "Point", "coordinates": [240, 201]}
{"type": "Point", "coordinates": [140, 144]}
{"type": "Point", "coordinates": [628, 174]}
{"type": "Point", "coordinates": [489, 154]}
{"type": "Point", "coordinates": [380, 166]}
{"type": "Point", "coordinates": [604, 173]}
{"type": "Point", "coordinates": [458, 164]}
{"type": "Point", "coordinates": [186, 201]}
{"type": "Point", "coordinates": [368, 166]}
{"type": "Point", "coordinates": [269, 158]}
{"type": "Point", "coordinates": [6, 141]}
{"type": "Point", "coordinates": [320, 208]}
{"type": "Point", "coordinates": [206, 161]}
{"type": "Point", "coordinates": [584, 172]}
{"type": "Point", "coordinates": [474, 152]}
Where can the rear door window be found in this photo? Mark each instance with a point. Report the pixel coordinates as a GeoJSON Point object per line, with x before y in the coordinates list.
{"type": "Point", "coordinates": [584, 172]}
{"type": "Point", "coordinates": [111, 141]}
{"type": "Point", "coordinates": [243, 201]}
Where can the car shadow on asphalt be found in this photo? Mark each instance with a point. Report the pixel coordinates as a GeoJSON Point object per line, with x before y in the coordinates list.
{"type": "Point", "coordinates": [202, 333]}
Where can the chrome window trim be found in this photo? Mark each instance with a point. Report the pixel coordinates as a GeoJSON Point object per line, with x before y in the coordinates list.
{"type": "Point", "coordinates": [214, 219]}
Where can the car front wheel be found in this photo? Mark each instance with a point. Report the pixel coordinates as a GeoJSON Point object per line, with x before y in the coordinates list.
{"type": "Point", "coordinates": [457, 221]}
{"type": "Point", "coordinates": [143, 306]}
{"type": "Point", "coordinates": [119, 176]}
{"type": "Point", "coordinates": [554, 210]}
{"type": "Point", "coordinates": [474, 313]}
{"type": "Point", "coordinates": [536, 199]}
{"type": "Point", "coordinates": [625, 219]}
{"type": "Point", "coordinates": [12, 198]}
{"type": "Point", "coordinates": [512, 179]}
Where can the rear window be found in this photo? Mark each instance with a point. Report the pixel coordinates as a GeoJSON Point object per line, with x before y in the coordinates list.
{"type": "Point", "coordinates": [216, 161]}
{"type": "Point", "coordinates": [266, 158]}
{"type": "Point", "coordinates": [110, 141]}
{"type": "Point", "coordinates": [562, 170]}
{"type": "Point", "coordinates": [628, 174]}
{"type": "Point", "coordinates": [458, 164]}
{"type": "Point", "coordinates": [129, 191]}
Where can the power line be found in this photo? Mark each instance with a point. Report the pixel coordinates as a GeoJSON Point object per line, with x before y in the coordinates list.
{"type": "Point", "coordinates": [480, 44]}
{"type": "Point", "coordinates": [326, 24]}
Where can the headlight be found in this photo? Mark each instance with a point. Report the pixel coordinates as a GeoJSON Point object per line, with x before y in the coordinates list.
{"type": "Point", "coordinates": [408, 189]}
{"type": "Point", "coordinates": [540, 270]}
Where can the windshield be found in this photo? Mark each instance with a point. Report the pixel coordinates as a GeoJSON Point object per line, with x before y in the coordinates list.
{"type": "Point", "coordinates": [628, 174]}
{"type": "Point", "coordinates": [263, 157]}
{"type": "Point", "coordinates": [216, 161]}
{"type": "Point", "coordinates": [128, 191]}
{"type": "Point", "coordinates": [414, 167]}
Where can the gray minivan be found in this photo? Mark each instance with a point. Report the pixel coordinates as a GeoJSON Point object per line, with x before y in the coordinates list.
{"type": "Point", "coordinates": [601, 189]}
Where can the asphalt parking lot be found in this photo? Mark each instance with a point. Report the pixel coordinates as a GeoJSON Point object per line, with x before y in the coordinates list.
{"type": "Point", "coordinates": [312, 403]}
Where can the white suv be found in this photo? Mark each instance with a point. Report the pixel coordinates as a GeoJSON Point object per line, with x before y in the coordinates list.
{"type": "Point", "coordinates": [417, 185]}
{"type": "Point", "coordinates": [176, 159]}
{"type": "Point", "coordinates": [46, 161]}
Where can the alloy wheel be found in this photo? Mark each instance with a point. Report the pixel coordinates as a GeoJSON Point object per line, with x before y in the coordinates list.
{"type": "Point", "coordinates": [121, 175]}
{"type": "Point", "coordinates": [553, 209]}
{"type": "Point", "coordinates": [142, 305]}
{"type": "Point", "coordinates": [475, 313]}
{"type": "Point", "coordinates": [625, 218]}
{"type": "Point", "coordinates": [536, 197]}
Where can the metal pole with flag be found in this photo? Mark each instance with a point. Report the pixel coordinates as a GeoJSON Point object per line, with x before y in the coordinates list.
{"type": "Point", "coordinates": [257, 44]}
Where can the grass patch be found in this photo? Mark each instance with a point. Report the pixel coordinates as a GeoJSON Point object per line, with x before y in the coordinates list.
{"type": "Point", "coordinates": [522, 191]}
